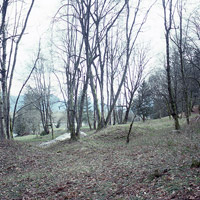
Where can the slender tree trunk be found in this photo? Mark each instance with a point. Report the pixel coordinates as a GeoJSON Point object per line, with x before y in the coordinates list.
{"type": "Point", "coordinates": [2, 131]}
{"type": "Point", "coordinates": [6, 109]}
{"type": "Point", "coordinates": [94, 122]}
{"type": "Point", "coordinates": [168, 27]}
{"type": "Point", "coordinates": [87, 110]}
{"type": "Point", "coordinates": [130, 129]}
{"type": "Point", "coordinates": [114, 116]}
{"type": "Point", "coordinates": [112, 94]}
{"type": "Point", "coordinates": [128, 110]}
{"type": "Point", "coordinates": [168, 109]}
{"type": "Point", "coordinates": [95, 99]}
{"type": "Point", "coordinates": [143, 118]}
{"type": "Point", "coordinates": [88, 60]}
{"type": "Point", "coordinates": [185, 89]}
{"type": "Point", "coordinates": [171, 97]}
{"type": "Point", "coordinates": [79, 122]}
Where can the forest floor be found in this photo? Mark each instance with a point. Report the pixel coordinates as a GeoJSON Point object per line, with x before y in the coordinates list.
{"type": "Point", "coordinates": [157, 164]}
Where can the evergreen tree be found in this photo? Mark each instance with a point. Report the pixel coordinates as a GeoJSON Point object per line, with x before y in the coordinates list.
{"type": "Point", "coordinates": [143, 105]}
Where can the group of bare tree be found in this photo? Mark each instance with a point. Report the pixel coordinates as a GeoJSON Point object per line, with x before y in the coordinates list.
{"type": "Point", "coordinates": [98, 49]}
{"type": "Point", "coordinates": [13, 21]}
{"type": "Point", "coordinates": [179, 42]}
{"type": "Point", "coordinates": [99, 62]}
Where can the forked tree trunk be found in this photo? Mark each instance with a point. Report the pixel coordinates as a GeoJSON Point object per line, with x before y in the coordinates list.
{"type": "Point", "coordinates": [128, 110]}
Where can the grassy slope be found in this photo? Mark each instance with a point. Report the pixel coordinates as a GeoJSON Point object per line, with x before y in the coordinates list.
{"type": "Point", "coordinates": [155, 165]}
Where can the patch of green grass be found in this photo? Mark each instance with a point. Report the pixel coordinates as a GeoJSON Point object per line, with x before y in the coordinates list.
{"type": "Point", "coordinates": [29, 138]}
{"type": "Point", "coordinates": [101, 163]}
{"type": "Point", "coordinates": [38, 138]}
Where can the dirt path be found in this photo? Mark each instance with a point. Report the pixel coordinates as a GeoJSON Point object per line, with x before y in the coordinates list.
{"type": "Point", "coordinates": [60, 138]}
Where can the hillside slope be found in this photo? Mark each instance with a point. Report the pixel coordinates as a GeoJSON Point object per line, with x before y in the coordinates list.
{"type": "Point", "coordinates": [156, 164]}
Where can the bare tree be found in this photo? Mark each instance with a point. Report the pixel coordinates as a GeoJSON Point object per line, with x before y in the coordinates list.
{"type": "Point", "coordinates": [193, 54]}
{"type": "Point", "coordinates": [23, 86]}
{"type": "Point", "coordinates": [93, 21]}
{"type": "Point", "coordinates": [11, 33]}
{"type": "Point", "coordinates": [86, 18]}
{"type": "Point", "coordinates": [79, 57]}
{"type": "Point", "coordinates": [132, 32]}
{"type": "Point", "coordinates": [2, 133]}
{"type": "Point", "coordinates": [134, 77]}
{"type": "Point", "coordinates": [105, 15]}
{"type": "Point", "coordinates": [115, 53]}
{"type": "Point", "coordinates": [180, 42]}
{"type": "Point", "coordinates": [168, 9]}
{"type": "Point", "coordinates": [40, 93]}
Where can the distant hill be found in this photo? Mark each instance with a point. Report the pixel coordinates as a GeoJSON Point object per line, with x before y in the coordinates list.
{"type": "Point", "coordinates": [57, 104]}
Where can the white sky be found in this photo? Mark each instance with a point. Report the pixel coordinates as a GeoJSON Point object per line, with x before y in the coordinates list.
{"type": "Point", "coordinates": [38, 27]}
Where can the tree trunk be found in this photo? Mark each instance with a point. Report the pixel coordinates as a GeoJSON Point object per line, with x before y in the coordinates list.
{"type": "Point", "coordinates": [185, 90]}
{"type": "Point", "coordinates": [130, 129]}
{"type": "Point", "coordinates": [94, 122]}
{"type": "Point", "coordinates": [4, 73]}
{"type": "Point", "coordinates": [128, 110]}
{"type": "Point", "coordinates": [95, 99]}
{"type": "Point", "coordinates": [143, 118]}
{"type": "Point", "coordinates": [168, 67]}
{"type": "Point", "coordinates": [87, 110]}
{"type": "Point", "coordinates": [2, 131]}
{"type": "Point", "coordinates": [8, 65]}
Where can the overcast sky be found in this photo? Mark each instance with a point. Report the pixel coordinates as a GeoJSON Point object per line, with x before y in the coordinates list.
{"type": "Point", "coordinates": [39, 24]}
{"type": "Point", "coordinates": [38, 27]}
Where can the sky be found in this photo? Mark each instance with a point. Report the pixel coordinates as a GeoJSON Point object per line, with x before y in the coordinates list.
{"type": "Point", "coordinates": [39, 27]}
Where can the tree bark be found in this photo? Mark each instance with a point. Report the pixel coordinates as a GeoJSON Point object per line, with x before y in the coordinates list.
{"type": "Point", "coordinates": [128, 110]}
{"type": "Point", "coordinates": [87, 110]}
{"type": "Point", "coordinates": [95, 99]}
{"type": "Point", "coordinates": [168, 27]}
{"type": "Point", "coordinates": [185, 89]}
{"type": "Point", "coordinates": [2, 131]}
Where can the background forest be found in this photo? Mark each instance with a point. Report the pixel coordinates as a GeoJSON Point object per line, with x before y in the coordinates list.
{"type": "Point", "coordinates": [96, 69]}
